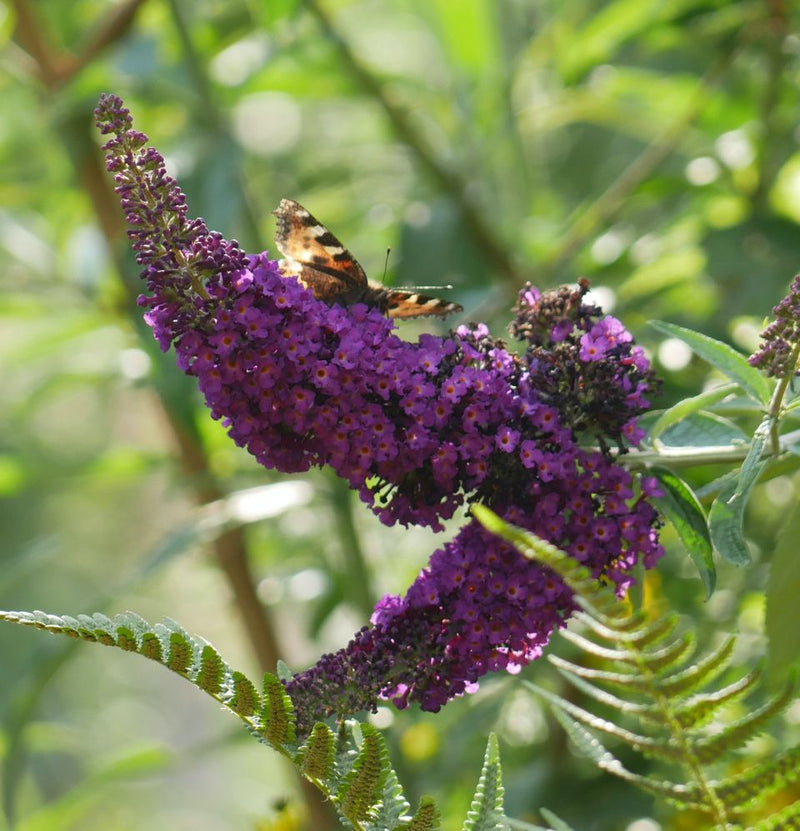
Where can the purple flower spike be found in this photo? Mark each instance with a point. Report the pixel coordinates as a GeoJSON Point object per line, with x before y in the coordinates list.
{"type": "Point", "coordinates": [780, 346]}
{"type": "Point", "coordinates": [418, 429]}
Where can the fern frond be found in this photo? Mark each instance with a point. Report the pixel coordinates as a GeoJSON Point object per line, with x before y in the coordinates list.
{"type": "Point", "coordinates": [426, 817]}
{"type": "Point", "coordinates": [753, 786]}
{"type": "Point", "coordinates": [677, 650]}
{"type": "Point", "coordinates": [667, 750]}
{"type": "Point", "coordinates": [700, 674]}
{"type": "Point", "coordinates": [786, 820]}
{"type": "Point", "coordinates": [637, 708]}
{"type": "Point", "coordinates": [351, 768]}
{"type": "Point", "coordinates": [669, 697]}
{"type": "Point", "coordinates": [316, 757]}
{"type": "Point", "coordinates": [734, 735]}
{"type": "Point", "coordinates": [277, 713]}
{"type": "Point", "coordinates": [702, 707]}
{"type": "Point", "coordinates": [359, 792]}
{"type": "Point", "coordinates": [589, 745]}
{"type": "Point", "coordinates": [635, 627]}
{"type": "Point", "coordinates": [486, 811]}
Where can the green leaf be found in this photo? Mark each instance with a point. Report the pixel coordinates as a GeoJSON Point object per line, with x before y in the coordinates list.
{"type": "Point", "coordinates": [586, 743]}
{"type": "Point", "coordinates": [725, 522]}
{"type": "Point", "coordinates": [683, 409]}
{"type": "Point", "coordinates": [351, 769]}
{"type": "Point", "coordinates": [682, 508]}
{"type": "Point", "coordinates": [556, 823]}
{"type": "Point", "coordinates": [315, 759]}
{"type": "Point", "coordinates": [723, 357]}
{"type": "Point", "coordinates": [358, 795]}
{"type": "Point", "coordinates": [426, 817]}
{"type": "Point", "coordinates": [783, 590]}
{"type": "Point", "coordinates": [750, 466]}
{"type": "Point", "coordinates": [703, 429]}
{"type": "Point", "coordinates": [735, 734]}
{"type": "Point", "coordinates": [243, 700]}
{"type": "Point", "coordinates": [486, 811]}
{"type": "Point", "coordinates": [277, 713]}
{"type": "Point", "coordinates": [785, 820]}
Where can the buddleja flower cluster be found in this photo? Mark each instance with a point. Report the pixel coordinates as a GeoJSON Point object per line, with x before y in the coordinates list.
{"type": "Point", "coordinates": [417, 428]}
{"type": "Point", "coordinates": [779, 351]}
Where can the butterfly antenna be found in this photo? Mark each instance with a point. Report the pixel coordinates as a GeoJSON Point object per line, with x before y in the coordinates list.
{"type": "Point", "coordinates": [386, 264]}
{"type": "Point", "coordinates": [412, 288]}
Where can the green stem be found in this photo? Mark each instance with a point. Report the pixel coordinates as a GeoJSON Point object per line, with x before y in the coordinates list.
{"type": "Point", "coordinates": [694, 456]}
{"type": "Point", "coordinates": [778, 394]}
{"type": "Point", "coordinates": [494, 249]}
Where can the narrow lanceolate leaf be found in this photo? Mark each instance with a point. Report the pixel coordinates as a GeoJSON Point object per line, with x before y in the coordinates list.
{"type": "Point", "coordinates": [486, 811]}
{"type": "Point", "coordinates": [726, 525]}
{"type": "Point", "coordinates": [278, 717]}
{"type": "Point", "coordinates": [556, 823]}
{"type": "Point", "coordinates": [682, 508]}
{"type": "Point", "coordinates": [783, 590]}
{"type": "Point", "coordinates": [749, 473]}
{"type": "Point", "coordinates": [723, 357]}
{"type": "Point", "coordinates": [359, 794]}
{"type": "Point", "coordinates": [687, 406]}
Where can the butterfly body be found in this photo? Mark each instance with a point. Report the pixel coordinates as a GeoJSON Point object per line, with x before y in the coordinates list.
{"type": "Point", "coordinates": [317, 259]}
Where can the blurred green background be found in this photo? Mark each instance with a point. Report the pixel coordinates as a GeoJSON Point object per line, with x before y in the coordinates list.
{"type": "Point", "coordinates": [652, 147]}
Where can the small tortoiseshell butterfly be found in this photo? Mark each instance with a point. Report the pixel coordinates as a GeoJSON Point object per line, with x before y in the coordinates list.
{"type": "Point", "coordinates": [320, 262]}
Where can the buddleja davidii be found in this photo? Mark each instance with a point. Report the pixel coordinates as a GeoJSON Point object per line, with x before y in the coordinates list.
{"type": "Point", "coordinates": [302, 383]}
{"type": "Point", "coordinates": [479, 606]}
{"type": "Point", "coordinates": [778, 355]}
{"type": "Point", "coordinates": [184, 263]}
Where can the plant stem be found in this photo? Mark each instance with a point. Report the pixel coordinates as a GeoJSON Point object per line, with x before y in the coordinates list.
{"type": "Point", "coordinates": [494, 249]}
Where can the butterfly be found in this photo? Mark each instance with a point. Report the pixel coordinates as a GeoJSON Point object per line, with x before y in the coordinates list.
{"type": "Point", "coordinates": [321, 263]}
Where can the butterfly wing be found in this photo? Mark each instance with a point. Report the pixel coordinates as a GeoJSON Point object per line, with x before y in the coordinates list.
{"type": "Point", "coordinates": [400, 304]}
{"type": "Point", "coordinates": [316, 257]}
